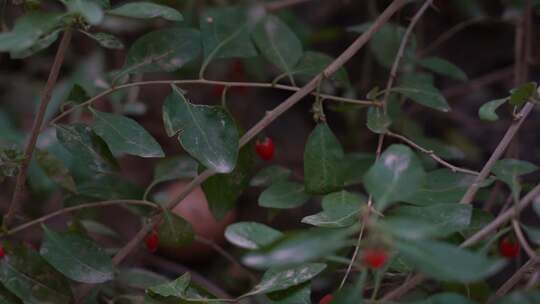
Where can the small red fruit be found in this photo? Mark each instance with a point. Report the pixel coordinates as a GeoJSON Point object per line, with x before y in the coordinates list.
{"type": "Point", "coordinates": [374, 258]}
{"type": "Point", "coordinates": [326, 299]}
{"type": "Point", "coordinates": [265, 148]}
{"type": "Point", "coordinates": [508, 247]}
{"type": "Point", "coordinates": [151, 241]}
{"type": "Point", "coordinates": [2, 252]}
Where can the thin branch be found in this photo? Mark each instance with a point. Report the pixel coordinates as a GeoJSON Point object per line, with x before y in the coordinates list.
{"type": "Point", "coordinates": [364, 218]}
{"type": "Point", "coordinates": [488, 229]}
{"type": "Point", "coordinates": [523, 241]}
{"type": "Point", "coordinates": [227, 256]}
{"type": "Point", "coordinates": [75, 208]}
{"type": "Point", "coordinates": [36, 127]}
{"type": "Point", "coordinates": [515, 278]}
{"type": "Point", "coordinates": [431, 154]}
{"type": "Point", "coordinates": [270, 117]}
{"type": "Point", "coordinates": [207, 82]}
{"type": "Point", "coordinates": [497, 153]}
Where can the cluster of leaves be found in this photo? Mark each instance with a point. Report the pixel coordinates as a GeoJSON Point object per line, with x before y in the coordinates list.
{"type": "Point", "coordinates": [423, 223]}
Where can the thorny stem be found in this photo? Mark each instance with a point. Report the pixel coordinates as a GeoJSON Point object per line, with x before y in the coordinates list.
{"type": "Point", "coordinates": [36, 127]}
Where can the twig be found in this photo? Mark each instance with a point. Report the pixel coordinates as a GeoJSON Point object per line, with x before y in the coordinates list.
{"type": "Point", "coordinates": [271, 116]}
{"type": "Point", "coordinates": [523, 241]}
{"type": "Point", "coordinates": [431, 154]}
{"type": "Point", "coordinates": [488, 229]}
{"type": "Point", "coordinates": [75, 208]}
{"type": "Point", "coordinates": [499, 150]}
{"type": "Point", "coordinates": [36, 127]}
{"type": "Point", "coordinates": [207, 82]}
{"type": "Point", "coordinates": [364, 217]}
{"type": "Point", "coordinates": [515, 278]}
{"type": "Point", "coordinates": [227, 256]}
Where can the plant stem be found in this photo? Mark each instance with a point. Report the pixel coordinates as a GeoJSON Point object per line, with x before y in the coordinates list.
{"type": "Point", "coordinates": [36, 127]}
{"type": "Point", "coordinates": [515, 278]}
{"type": "Point", "coordinates": [75, 208]}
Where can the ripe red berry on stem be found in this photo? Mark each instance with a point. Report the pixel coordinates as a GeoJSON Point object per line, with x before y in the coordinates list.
{"type": "Point", "coordinates": [326, 299]}
{"type": "Point", "coordinates": [265, 148]}
{"type": "Point", "coordinates": [374, 258]}
{"type": "Point", "coordinates": [2, 252]}
{"type": "Point", "coordinates": [151, 241]}
{"type": "Point", "coordinates": [508, 247]}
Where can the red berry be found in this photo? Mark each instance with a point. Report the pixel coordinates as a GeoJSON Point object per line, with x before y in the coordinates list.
{"type": "Point", "coordinates": [2, 252]}
{"type": "Point", "coordinates": [326, 299]}
{"type": "Point", "coordinates": [508, 247]}
{"type": "Point", "coordinates": [151, 241]}
{"type": "Point", "coordinates": [265, 148]}
{"type": "Point", "coordinates": [237, 69]}
{"type": "Point", "coordinates": [374, 258]}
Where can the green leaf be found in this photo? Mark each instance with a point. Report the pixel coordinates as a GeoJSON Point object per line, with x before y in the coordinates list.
{"type": "Point", "coordinates": [223, 190]}
{"type": "Point", "coordinates": [420, 89]}
{"type": "Point", "coordinates": [508, 171]}
{"type": "Point", "coordinates": [55, 170]}
{"type": "Point", "coordinates": [177, 167]}
{"type": "Point", "coordinates": [139, 278]}
{"type": "Point", "coordinates": [323, 162]}
{"type": "Point", "coordinates": [443, 67]}
{"type": "Point", "coordinates": [93, 227]}
{"type": "Point", "coordinates": [278, 43]}
{"type": "Point", "coordinates": [6, 297]}
{"type": "Point", "coordinates": [441, 186]}
{"type": "Point", "coordinates": [377, 121]}
{"type": "Point", "coordinates": [533, 233]}
{"type": "Point", "coordinates": [174, 232]}
{"type": "Point", "coordinates": [283, 195]}
{"type": "Point", "coordinates": [313, 63]}
{"type": "Point", "coordinates": [39, 45]}
{"type": "Point", "coordinates": [89, 10]}
{"type": "Point", "coordinates": [523, 93]}
{"type": "Point", "coordinates": [87, 147]}
{"type": "Point", "coordinates": [385, 43]}
{"type": "Point", "coordinates": [207, 133]}
{"type": "Point", "coordinates": [162, 50]}
{"type": "Point", "coordinates": [447, 262]}
{"type": "Point", "coordinates": [340, 209]}
{"type": "Point", "coordinates": [251, 235]}
{"type": "Point", "coordinates": [78, 258]}
{"type": "Point", "coordinates": [437, 220]}
{"type": "Point", "coordinates": [24, 273]}
{"type": "Point", "coordinates": [300, 294]}
{"type": "Point", "coordinates": [106, 40]}
{"type": "Point", "coordinates": [281, 279]}
{"type": "Point", "coordinates": [299, 247]}
{"type": "Point", "coordinates": [28, 30]}
{"type": "Point", "coordinates": [396, 176]}
{"type": "Point", "coordinates": [225, 32]}
{"type": "Point", "coordinates": [146, 10]}
{"type": "Point", "coordinates": [270, 175]}
{"type": "Point", "coordinates": [355, 166]}
{"type": "Point", "coordinates": [521, 297]}
{"type": "Point", "coordinates": [176, 288]}
{"type": "Point", "coordinates": [76, 96]}
{"type": "Point", "coordinates": [487, 110]}
{"type": "Point", "coordinates": [109, 187]}
{"type": "Point", "coordinates": [125, 135]}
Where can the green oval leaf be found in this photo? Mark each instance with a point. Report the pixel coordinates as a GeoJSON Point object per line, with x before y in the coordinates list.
{"type": "Point", "coordinates": [89, 10]}
{"type": "Point", "coordinates": [323, 162]}
{"type": "Point", "coordinates": [283, 195]}
{"type": "Point", "coordinates": [340, 209]}
{"type": "Point", "coordinates": [146, 10]}
{"type": "Point", "coordinates": [278, 43]}
{"type": "Point", "coordinates": [78, 258]}
{"type": "Point", "coordinates": [174, 232]}
{"type": "Point", "coordinates": [396, 176]}
{"type": "Point", "coordinates": [523, 93]}
{"type": "Point", "coordinates": [377, 121]}
{"type": "Point", "coordinates": [125, 135]}
{"type": "Point", "coordinates": [251, 235]}
{"type": "Point", "coordinates": [28, 30]}
{"type": "Point", "coordinates": [487, 110]}
{"type": "Point", "coordinates": [106, 40]}
{"type": "Point", "coordinates": [207, 133]}
{"type": "Point", "coordinates": [55, 170]}
{"type": "Point", "coordinates": [443, 67]}
{"type": "Point", "coordinates": [177, 167]}
{"type": "Point", "coordinates": [420, 89]}
{"type": "Point", "coordinates": [176, 288]}
{"type": "Point", "coordinates": [270, 175]}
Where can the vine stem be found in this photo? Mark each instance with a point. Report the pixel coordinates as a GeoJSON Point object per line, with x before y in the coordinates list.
{"type": "Point", "coordinates": [75, 208]}
{"type": "Point", "coordinates": [36, 126]}
{"type": "Point", "coordinates": [270, 117]}
{"type": "Point", "coordinates": [482, 233]}
{"type": "Point", "coordinates": [523, 241]}
{"type": "Point", "coordinates": [206, 82]}
{"type": "Point", "coordinates": [431, 154]}
{"type": "Point", "coordinates": [516, 277]}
